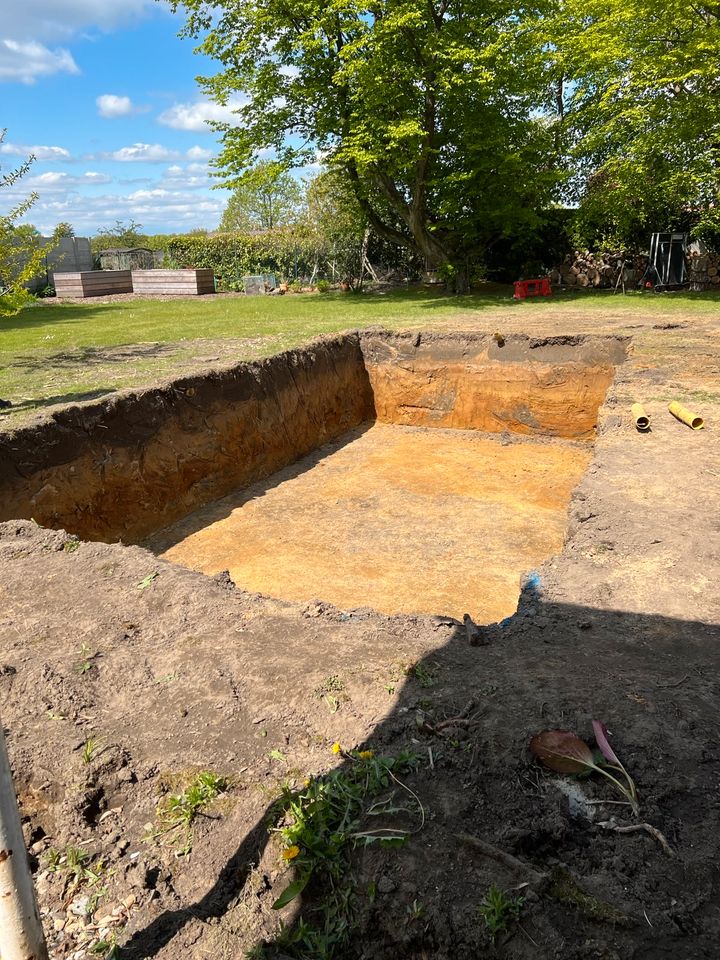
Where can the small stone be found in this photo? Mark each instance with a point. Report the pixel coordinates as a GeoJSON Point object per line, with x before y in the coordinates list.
{"type": "Point", "coordinates": [386, 884]}
{"type": "Point", "coordinates": [79, 906]}
{"type": "Point", "coordinates": [59, 924]}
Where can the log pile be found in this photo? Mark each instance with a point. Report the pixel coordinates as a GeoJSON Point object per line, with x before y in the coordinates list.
{"type": "Point", "coordinates": [703, 269]}
{"type": "Point", "coordinates": [585, 269]}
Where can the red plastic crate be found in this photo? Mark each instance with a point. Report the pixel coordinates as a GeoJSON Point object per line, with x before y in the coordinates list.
{"type": "Point", "coordinates": [532, 288]}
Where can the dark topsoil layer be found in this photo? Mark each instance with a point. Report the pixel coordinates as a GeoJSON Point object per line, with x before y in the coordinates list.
{"type": "Point", "coordinates": [186, 674]}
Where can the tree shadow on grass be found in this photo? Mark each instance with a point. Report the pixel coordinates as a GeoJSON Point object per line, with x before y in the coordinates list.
{"type": "Point", "coordinates": [95, 356]}
{"type": "Point", "coordinates": [24, 406]}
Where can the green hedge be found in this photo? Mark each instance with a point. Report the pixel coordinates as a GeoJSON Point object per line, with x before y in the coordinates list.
{"type": "Point", "coordinates": [288, 254]}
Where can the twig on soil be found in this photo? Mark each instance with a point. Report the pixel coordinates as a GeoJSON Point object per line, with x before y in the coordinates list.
{"type": "Point", "coordinates": [461, 720]}
{"type": "Point", "coordinates": [646, 827]}
{"type": "Point", "coordinates": [507, 860]}
{"type": "Point", "coordinates": [670, 686]}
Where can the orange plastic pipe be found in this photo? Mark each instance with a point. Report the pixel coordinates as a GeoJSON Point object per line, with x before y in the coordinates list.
{"type": "Point", "coordinates": [642, 421]}
{"type": "Point", "coordinates": [686, 416]}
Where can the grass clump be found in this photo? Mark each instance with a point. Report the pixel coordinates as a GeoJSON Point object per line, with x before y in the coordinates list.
{"type": "Point", "coordinates": [499, 910]}
{"type": "Point", "coordinates": [75, 863]}
{"type": "Point", "coordinates": [178, 811]}
{"type": "Point", "coordinates": [320, 824]}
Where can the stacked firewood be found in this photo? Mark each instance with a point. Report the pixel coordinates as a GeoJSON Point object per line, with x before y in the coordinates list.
{"type": "Point", "coordinates": [585, 269]}
{"type": "Point", "coordinates": [703, 269]}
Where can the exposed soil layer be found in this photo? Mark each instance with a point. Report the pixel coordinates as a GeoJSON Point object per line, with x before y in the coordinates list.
{"type": "Point", "coordinates": [400, 519]}
{"type": "Point", "coordinates": [121, 468]}
{"type": "Point", "coordinates": [186, 674]}
{"type": "Point", "coordinates": [543, 388]}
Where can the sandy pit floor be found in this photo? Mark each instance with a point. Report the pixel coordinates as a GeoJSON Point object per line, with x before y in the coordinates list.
{"type": "Point", "coordinates": [400, 519]}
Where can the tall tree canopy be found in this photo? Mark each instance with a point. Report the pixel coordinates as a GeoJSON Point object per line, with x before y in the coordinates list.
{"type": "Point", "coordinates": [266, 197]}
{"type": "Point", "coordinates": [644, 112]}
{"type": "Point", "coordinates": [431, 107]}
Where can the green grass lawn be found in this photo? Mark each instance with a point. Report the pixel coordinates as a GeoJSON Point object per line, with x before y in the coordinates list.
{"type": "Point", "coordinates": [57, 353]}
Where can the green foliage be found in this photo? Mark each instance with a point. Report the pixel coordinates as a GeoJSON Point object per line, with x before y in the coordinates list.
{"type": "Point", "coordinates": [336, 220]}
{"type": "Point", "coordinates": [498, 910]}
{"type": "Point", "coordinates": [265, 198]}
{"type": "Point", "coordinates": [323, 286]}
{"type": "Point", "coordinates": [77, 863]}
{"type": "Point", "coordinates": [178, 811]}
{"type": "Point", "coordinates": [64, 229]}
{"type": "Point", "coordinates": [642, 114]}
{"type": "Point", "coordinates": [122, 234]}
{"type": "Point", "coordinates": [286, 253]}
{"type": "Point", "coordinates": [21, 254]}
{"type": "Point", "coordinates": [430, 108]}
{"type": "Point", "coordinates": [183, 808]}
{"type": "Point", "coordinates": [320, 825]}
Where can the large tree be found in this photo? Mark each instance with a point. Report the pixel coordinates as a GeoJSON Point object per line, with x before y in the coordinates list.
{"type": "Point", "coordinates": [644, 111]}
{"type": "Point", "coordinates": [431, 107]}
{"type": "Point", "coordinates": [265, 198]}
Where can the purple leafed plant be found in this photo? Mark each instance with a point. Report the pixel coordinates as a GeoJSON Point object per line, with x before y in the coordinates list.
{"type": "Point", "coordinates": [564, 752]}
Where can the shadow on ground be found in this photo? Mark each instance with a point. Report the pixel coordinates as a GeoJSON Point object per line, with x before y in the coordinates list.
{"type": "Point", "coordinates": [467, 713]}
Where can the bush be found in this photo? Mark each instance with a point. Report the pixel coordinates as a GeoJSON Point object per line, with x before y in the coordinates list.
{"type": "Point", "coordinates": [287, 253]}
{"type": "Point", "coordinates": [323, 286]}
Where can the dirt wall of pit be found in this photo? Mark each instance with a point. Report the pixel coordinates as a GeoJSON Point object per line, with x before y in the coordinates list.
{"type": "Point", "coordinates": [123, 467]}
{"type": "Point", "coordinates": [551, 387]}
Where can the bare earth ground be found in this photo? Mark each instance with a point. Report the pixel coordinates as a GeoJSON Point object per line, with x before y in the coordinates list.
{"type": "Point", "coordinates": [186, 674]}
{"type": "Point", "coordinates": [399, 519]}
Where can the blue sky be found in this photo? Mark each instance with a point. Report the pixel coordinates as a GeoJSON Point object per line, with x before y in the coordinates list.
{"type": "Point", "coordinates": [105, 95]}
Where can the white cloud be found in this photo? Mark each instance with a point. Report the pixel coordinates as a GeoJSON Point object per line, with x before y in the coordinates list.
{"type": "Point", "coordinates": [153, 153]}
{"type": "Point", "coordinates": [55, 180]}
{"type": "Point", "coordinates": [48, 19]}
{"type": "Point", "coordinates": [142, 153]}
{"type": "Point", "coordinates": [192, 176]}
{"type": "Point", "coordinates": [110, 105]}
{"type": "Point", "coordinates": [198, 153]}
{"type": "Point", "coordinates": [30, 29]}
{"type": "Point", "coordinates": [196, 116]}
{"type": "Point", "coordinates": [25, 61]}
{"type": "Point", "coordinates": [160, 209]}
{"type": "Point", "coordinates": [39, 152]}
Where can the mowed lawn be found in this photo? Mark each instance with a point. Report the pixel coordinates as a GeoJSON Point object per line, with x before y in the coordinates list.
{"type": "Point", "coordinates": [53, 353]}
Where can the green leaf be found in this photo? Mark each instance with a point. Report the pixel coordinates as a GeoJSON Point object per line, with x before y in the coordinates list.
{"type": "Point", "coordinates": [293, 890]}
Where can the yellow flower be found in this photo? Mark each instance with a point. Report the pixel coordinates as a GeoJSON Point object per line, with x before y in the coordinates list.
{"type": "Point", "coordinates": [366, 754]}
{"type": "Point", "coordinates": [291, 852]}
{"type": "Point", "coordinates": [336, 748]}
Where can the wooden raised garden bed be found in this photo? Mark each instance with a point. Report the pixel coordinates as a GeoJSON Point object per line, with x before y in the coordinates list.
{"type": "Point", "coordinates": [186, 283]}
{"type": "Point", "coordinates": [93, 283]}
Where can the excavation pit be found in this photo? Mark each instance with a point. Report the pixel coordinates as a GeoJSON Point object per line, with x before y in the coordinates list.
{"type": "Point", "coordinates": [400, 519]}
{"type": "Point", "coordinates": [407, 473]}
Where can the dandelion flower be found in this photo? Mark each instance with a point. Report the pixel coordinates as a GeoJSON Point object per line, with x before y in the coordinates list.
{"type": "Point", "coordinates": [291, 852]}
{"type": "Point", "coordinates": [336, 748]}
{"type": "Point", "coordinates": [366, 754]}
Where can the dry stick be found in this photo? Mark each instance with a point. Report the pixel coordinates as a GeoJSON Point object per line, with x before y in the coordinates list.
{"type": "Point", "coordinates": [670, 686]}
{"type": "Point", "coordinates": [647, 828]}
{"type": "Point", "coordinates": [461, 720]}
{"type": "Point", "coordinates": [507, 860]}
